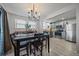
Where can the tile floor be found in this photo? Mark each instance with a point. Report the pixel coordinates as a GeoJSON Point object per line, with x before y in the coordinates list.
{"type": "Point", "coordinates": [58, 47]}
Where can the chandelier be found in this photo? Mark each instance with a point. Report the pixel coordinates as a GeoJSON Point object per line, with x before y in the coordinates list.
{"type": "Point", "coordinates": [33, 14]}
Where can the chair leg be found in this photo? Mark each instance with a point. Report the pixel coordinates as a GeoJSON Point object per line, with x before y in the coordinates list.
{"type": "Point", "coordinates": [46, 44]}
{"type": "Point", "coordinates": [27, 51]}
{"type": "Point", "coordinates": [41, 49]}
{"type": "Point", "coordinates": [30, 49]}
{"type": "Point", "coordinates": [15, 52]}
{"type": "Point", "coordinates": [34, 52]}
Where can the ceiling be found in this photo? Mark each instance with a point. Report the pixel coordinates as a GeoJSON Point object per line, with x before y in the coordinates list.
{"type": "Point", "coordinates": [64, 16]}
{"type": "Point", "coordinates": [45, 9]}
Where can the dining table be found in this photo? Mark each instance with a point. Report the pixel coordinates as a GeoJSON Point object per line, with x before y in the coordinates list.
{"type": "Point", "coordinates": [20, 38]}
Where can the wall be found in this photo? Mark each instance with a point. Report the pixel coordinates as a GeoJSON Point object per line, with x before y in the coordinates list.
{"type": "Point", "coordinates": [77, 27]}
{"type": "Point", "coordinates": [70, 21]}
{"type": "Point", "coordinates": [0, 35]}
{"type": "Point", "coordinates": [0, 6]}
{"type": "Point", "coordinates": [11, 21]}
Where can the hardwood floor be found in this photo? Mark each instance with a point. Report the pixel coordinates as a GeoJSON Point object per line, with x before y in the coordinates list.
{"type": "Point", "coordinates": [58, 47]}
{"type": "Point", "coordinates": [62, 48]}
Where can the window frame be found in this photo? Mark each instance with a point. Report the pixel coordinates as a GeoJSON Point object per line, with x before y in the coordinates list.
{"type": "Point", "coordinates": [45, 25]}
{"type": "Point", "coordinates": [19, 24]}
{"type": "Point", "coordinates": [27, 22]}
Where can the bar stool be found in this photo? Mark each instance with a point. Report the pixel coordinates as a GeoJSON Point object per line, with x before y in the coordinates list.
{"type": "Point", "coordinates": [24, 45]}
{"type": "Point", "coordinates": [36, 45]}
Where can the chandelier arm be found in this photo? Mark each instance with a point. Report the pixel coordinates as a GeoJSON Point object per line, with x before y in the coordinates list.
{"type": "Point", "coordinates": [33, 14]}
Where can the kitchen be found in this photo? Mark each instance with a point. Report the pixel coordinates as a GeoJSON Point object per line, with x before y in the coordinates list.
{"type": "Point", "coordinates": [61, 28]}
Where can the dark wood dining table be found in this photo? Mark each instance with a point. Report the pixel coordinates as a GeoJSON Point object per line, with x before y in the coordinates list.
{"type": "Point", "coordinates": [19, 39]}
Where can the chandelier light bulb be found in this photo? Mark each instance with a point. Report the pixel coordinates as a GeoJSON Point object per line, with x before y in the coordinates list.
{"type": "Point", "coordinates": [34, 12]}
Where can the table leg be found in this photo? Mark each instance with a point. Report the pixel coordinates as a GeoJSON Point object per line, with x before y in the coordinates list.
{"type": "Point", "coordinates": [18, 48]}
{"type": "Point", "coordinates": [30, 48]}
{"type": "Point", "coordinates": [48, 45]}
{"type": "Point", "coordinates": [27, 51]}
{"type": "Point", "coordinates": [15, 52]}
{"type": "Point", "coordinates": [41, 49]}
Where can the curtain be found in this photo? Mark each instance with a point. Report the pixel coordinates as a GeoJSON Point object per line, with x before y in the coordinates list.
{"type": "Point", "coordinates": [7, 43]}
{"type": "Point", "coordinates": [5, 35]}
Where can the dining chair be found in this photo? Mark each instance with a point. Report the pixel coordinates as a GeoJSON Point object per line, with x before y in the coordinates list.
{"type": "Point", "coordinates": [37, 45]}
{"type": "Point", "coordinates": [23, 44]}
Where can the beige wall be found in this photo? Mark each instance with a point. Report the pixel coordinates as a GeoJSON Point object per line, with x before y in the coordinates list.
{"type": "Point", "coordinates": [77, 27]}
{"type": "Point", "coordinates": [11, 21]}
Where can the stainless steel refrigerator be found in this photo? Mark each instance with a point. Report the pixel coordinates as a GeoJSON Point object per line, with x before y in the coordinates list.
{"type": "Point", "coordinates": [71, 32]}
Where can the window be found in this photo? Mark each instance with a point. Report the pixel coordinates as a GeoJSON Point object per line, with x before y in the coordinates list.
{"type": "Point", "coordinates": [33, 24]}
{"type": "Point", "coordinates": [46, 25]}
{"type": "Point", "coordinates": [20, 23]}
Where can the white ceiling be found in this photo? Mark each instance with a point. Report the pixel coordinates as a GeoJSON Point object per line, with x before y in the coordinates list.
{"type": "Point", "coordinates": [64, 16]}
{"type": "Point", "coordinates": [45, 8]}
